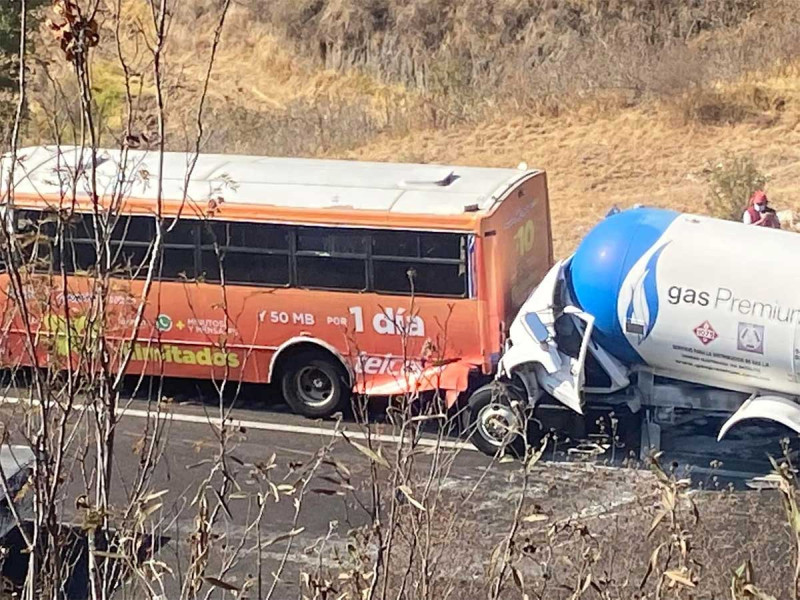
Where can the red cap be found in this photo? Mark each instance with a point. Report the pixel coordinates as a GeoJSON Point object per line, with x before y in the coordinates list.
{"type": "Point", "coordinates": [758, 197]}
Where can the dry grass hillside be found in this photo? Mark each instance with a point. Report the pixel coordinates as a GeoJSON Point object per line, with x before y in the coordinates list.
{"type": "Point", "coordinates": [597, 158]}
{"type": "Point", "coordinates": [621, 102]}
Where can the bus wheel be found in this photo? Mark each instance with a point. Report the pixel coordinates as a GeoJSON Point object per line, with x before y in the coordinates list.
{"type": "Point", "coordinates": [495, 419]}
{"type": "Point", "coordinates": [314, 385]}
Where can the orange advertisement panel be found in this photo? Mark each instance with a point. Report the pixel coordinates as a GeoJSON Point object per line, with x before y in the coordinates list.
{"type": "Point", "coordinates": [517, 252]}
{"type": "Point", "coordinates": [391, 344]}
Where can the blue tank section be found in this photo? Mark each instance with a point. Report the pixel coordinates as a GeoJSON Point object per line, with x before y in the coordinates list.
{"type": "Point", "coordinates": [602, 261]}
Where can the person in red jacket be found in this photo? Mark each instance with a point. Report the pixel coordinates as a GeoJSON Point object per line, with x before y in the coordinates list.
{"type": "Point", "coordinates": [758, 213]}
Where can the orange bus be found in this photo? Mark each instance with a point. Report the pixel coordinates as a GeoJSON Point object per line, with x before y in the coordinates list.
{"type": "Point", "coordinates": [326, 276]}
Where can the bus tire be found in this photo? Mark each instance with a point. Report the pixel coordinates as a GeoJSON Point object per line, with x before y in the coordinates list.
{"type": "Point", "coordinates": [495, 420]}
{"type": "Point", "coordinates": [314, 385]}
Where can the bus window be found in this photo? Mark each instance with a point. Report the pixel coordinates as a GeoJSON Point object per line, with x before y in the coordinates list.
{"type": "Point", "coordinates": [246, 267]}
{"type": "Point", "coordinates": [127, 256]}
{"type": "Point", "coordinates": [436, 266]}
{"type": "Point", "coordinates": [134, 229]}
{"type": "Point", "coordinates": [248, 236]}
{"type": "Point", "coordinates": [248, 252]}
{"type": "Point", "coordinates": [35, 233]}
{"type": "Point", "coordinates": [428, 278]}
{"type": "Point", "coordinates": [332, 259]}
{"type": "Point", "coordinates": [79, 244]}
{"type": "Point", "coordinates": [131, 244]}
{"type": "Point", "coordinates": [331, 241]}
{"type": "Point", "coordinates": [332, 273]}
{"type": "Point", "coordinates": [395, 243]}
{"type": "Point", "coordinates": [130, 261]}
{"type": "Point", "coordinates": [180, 242]}
{"type": "Point", "coordinates": [441, 245]}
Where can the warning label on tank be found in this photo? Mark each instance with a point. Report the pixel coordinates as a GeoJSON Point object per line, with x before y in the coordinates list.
{"type": "Point", "coordinates": [750, 338]}
{"type": "Point", "coordinates": [705, 333]}
{"type": "Point", "coordinates": [707, 360]}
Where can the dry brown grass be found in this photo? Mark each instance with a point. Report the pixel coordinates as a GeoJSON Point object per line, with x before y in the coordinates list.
{"type": "Point", "coordinates": [263, 97]}
{"type": "Point", "coordinates": [647, 154]}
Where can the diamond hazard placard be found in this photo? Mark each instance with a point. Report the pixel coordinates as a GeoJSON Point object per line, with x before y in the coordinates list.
{"type": "Point", "coordinates": [705, 333]}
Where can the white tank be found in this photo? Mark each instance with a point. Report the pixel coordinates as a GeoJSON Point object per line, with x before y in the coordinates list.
{"type": "Point", "coordinates": [697, 298]}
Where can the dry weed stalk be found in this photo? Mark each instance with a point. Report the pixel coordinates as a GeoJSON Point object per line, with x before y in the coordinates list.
{"type": "Point", "coordinates": [676, 517]}
{"type": "Point", "coordinates": [743, 586]}
{"type": "Point", "coordinates": [785, 475]}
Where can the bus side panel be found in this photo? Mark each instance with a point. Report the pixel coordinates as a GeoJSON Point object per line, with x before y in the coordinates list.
{"type": "Point", "coordinates": [517, 250]}
{"type": "Point", "coordinates": [375, 334]}
{"type": "Point", "coordinates": [201, 331]}
{"type": "Point", "coordinates": [196, 330]}
{"type": "Point", "coordinates": [19, 346]}
{"type": "Point", "coordinates": [260, 320]}
{"type": "Point", "coordinates": [12, 346]}
{"type": "Point", "coordinates": [183, 332]}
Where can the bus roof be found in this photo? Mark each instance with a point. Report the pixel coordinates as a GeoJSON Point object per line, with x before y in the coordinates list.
{"type": "Point", "coordinates": [297, 183]}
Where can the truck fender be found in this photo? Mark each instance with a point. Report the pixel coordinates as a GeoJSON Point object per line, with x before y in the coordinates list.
{"type": "Point", "coordinates": [525, 377]}
{"type": "Point", "coordinates": [772, 408]}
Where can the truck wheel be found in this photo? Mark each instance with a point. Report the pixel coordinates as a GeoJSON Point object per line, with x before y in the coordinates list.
{"type": "Point", "coordinates": [495, 420]}
{"type": "Point", "coordinates": [314, 385]}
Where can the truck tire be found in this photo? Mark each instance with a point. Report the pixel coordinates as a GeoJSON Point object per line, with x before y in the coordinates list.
{"type": "Point", "coordinates": [314, 385]}
{"type": "Point", "coordinates": [495, 419]}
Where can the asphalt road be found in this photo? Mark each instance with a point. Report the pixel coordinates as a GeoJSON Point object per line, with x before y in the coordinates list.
{"type": "Point", "coordinates": [330, 524]}
{"type": "Point", "coordinates": [335, 510]}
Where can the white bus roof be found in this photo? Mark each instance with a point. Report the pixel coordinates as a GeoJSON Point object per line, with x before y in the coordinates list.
{"type": "Point", "coordinates": [267, 181]}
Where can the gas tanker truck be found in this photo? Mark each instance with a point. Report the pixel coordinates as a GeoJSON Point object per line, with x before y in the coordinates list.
{"type": "Point", "coordinates": [665, 314]}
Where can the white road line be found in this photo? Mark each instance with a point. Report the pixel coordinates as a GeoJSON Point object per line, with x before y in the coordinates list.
{"type": "Point", "coordinates": [302, 429]}
{"type": "Point", "coordinates": [264, 426]}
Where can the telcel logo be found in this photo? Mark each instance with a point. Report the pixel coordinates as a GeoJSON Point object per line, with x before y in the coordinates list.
{"type": "Point", "coordinates": [385, 365]}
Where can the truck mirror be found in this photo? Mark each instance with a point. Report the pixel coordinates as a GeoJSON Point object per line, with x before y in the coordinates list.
{"type": "Point", "coordinates": [537, 328]}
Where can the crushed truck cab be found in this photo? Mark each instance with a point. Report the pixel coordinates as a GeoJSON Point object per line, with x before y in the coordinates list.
{"type": "Point", "coordinates": [659, 311]}
{"type": "Point", "coordinates": [535, 357]}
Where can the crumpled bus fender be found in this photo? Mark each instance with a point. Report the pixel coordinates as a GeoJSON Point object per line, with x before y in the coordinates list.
{"type": "Point", "coordinates": [451, 377]}
{"type": "Point", "coordinates": [771, 408]}
{"type": "Point", "coordinates": [304, 339]}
